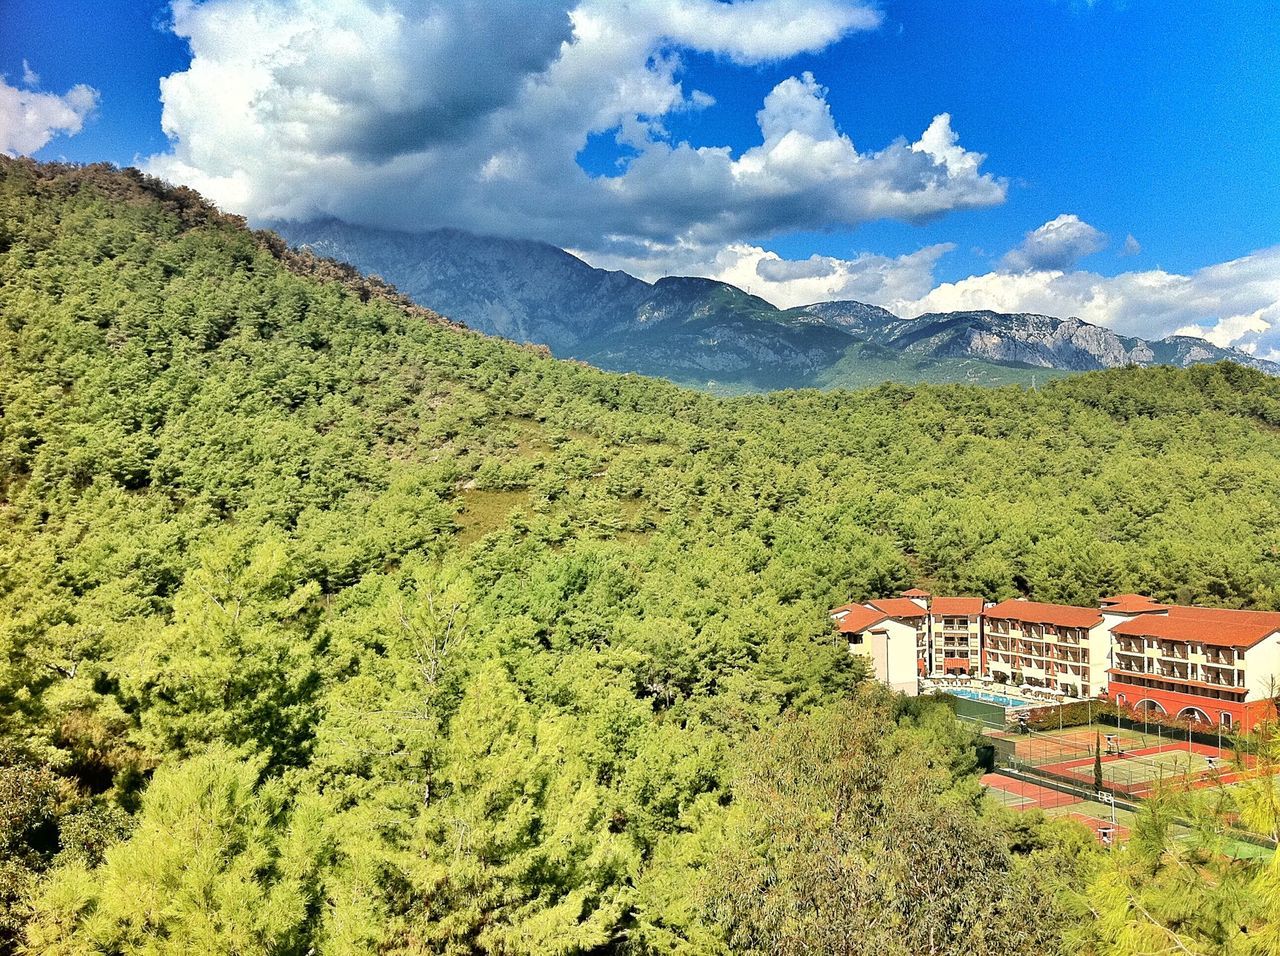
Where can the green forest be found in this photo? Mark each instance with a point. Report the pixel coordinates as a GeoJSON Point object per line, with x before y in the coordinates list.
{"type": "Point", "coordinates": [328, 626]}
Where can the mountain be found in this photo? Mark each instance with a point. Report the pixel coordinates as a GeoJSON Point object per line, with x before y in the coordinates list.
{"type": "Point", "coordinates": [714, 335]}
{"type": "Point", "coordinates": [704, 332]}
{"type": "Point", "coordinates": [523, 291]}
{"type": "Point", "coordinates": [1041, 341]}
{"type": "Point", "coordinates": [691, 330]}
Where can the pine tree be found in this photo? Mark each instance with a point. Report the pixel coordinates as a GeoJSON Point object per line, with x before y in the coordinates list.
{"type": "Point", "coordinates": [1097, 762]}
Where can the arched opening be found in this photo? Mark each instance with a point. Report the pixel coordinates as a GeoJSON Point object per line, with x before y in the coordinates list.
{"type": "Point", "coordinates": [1196, 714]}
{"type": "Point", "coordinates": [1148, 704]}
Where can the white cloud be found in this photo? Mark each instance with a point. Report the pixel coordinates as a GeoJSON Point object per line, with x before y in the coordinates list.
{"type": "Point", "coordinates": [357, 109]}
{"type": "Point", "coordinates": [1131, 246]}
{"type": "Point", "coordinates": [1058, 244]}
{"type": "Point", "coordinates": [889, 281]}
{"type": "Point", "coordinates": [28, 119]}
{"type": "Point", "coordinates": [30, 78]}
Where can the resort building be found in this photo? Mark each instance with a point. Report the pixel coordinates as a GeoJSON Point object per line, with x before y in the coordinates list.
{"type": "Point", "coordinates": [889, 641]}
{"type": "Point", "coordinates": [1055, 646]}
{"type": "Point", "coordinates": [1211, 665]}
{"type": "Point", "coordinates": [1207, 664]}
{"type": "Point", "coordinates": [956, 625]}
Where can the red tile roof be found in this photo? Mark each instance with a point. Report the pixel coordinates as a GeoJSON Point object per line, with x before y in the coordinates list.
{"type": "Point", "coordinates": [915, 592]}
{"type": "Point", "coordinates": [1131, 604]}
{"type": "Point", "coordinates": [1125, 598]}
{"type": "Point", "coordinates": [1033, 612]}
{"type": "Point", "coordinates": [899, 607]}
{"type": "Point", "coordinates": [1134, 607]}
{"type": "Point", "coordinates": [1204, 625]}
{"type": "Point", "coordinates": [857, 619]}
{"type": "Point", "coordinates": [958, 605]}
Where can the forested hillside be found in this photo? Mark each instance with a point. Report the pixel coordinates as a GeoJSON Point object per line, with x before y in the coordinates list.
{"type": "Point", "coordinates": [326, 626]}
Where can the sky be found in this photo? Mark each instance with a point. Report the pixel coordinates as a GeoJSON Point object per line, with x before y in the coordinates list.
{"type": "Point", "coordinates": [1118, 160]}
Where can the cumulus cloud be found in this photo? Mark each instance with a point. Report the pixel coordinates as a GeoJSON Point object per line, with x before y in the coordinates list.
{"type": "Point", "coordinates": [357, 109]}
{"type": "Point", "coordinates": [1059, 244]}
{"type": "Point", "coordinates": [29, 119]}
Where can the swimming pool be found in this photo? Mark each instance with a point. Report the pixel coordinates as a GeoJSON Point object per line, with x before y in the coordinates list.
{"type": "Point", "coordinates": [987, 697]}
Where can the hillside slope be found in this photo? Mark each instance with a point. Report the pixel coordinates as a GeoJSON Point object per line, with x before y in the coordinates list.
{"type": "Point", "coordinates": [327, 626]}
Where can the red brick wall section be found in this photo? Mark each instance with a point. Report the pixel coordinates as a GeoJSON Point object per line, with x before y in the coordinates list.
{"type": "Point", "coordinates": [1245, 714]}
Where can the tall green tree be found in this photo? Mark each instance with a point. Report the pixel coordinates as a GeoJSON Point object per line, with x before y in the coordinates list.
{"type": "Point", "coordinates": [221, 862]}
{"type": "Point", "coordinates": [852, 833]}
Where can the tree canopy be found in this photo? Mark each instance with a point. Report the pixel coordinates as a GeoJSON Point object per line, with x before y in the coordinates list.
{"type": "Point", "coordinates": [329, 626]}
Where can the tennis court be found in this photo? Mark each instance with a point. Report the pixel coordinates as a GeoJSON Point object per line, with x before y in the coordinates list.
{"type": "Point", "coordinates": [1132, 763]}
{"type": "Point", "coordinates": [1024, 795]}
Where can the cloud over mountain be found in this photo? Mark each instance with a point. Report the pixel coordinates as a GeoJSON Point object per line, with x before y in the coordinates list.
{"type": "Point", "coordinates": [363, 110]}
{"type": "Point", "coordinates": [1058, 244]}
{"type": "Point", "coordinates": [1234, 303]}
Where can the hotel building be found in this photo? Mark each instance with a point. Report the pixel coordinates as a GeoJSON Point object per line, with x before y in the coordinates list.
{"type": "Point", "coordinates": [1211, 665]}
{"type": "Point", "coordinates": [956, 627]}
{"type": "Point", "coordinates": [1047, 645]}
{"type": "Point", "coordinates": [1207, 664]}
{"type": "Point", "coordinates": [888, 638]}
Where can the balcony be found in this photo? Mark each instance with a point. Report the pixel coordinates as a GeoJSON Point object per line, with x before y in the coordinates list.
{"type": "Point", "coordinates": [1183, 685]}
{"type": "Point", "coordinates": [1224, 670]}
{"type": "Point", "coordinates": [1210, 681]}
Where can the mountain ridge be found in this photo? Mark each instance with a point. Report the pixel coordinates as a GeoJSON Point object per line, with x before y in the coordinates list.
{"type": "Point", "coordinates": [705, 332]}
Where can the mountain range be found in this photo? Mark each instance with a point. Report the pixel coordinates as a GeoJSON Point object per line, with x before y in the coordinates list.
{"type": "Point", "coordinates": [711, 334]}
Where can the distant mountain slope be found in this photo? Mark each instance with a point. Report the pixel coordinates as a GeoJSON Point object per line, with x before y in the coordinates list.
{"type": "Point", "coordinates": [524, 291]}
{"type": "Point", "coordinates": [868, 364]}
{"type": "Point", "coordinates": [691, 330]}
{"type": "Point", "coordinates": [714, 335]}
{"type": "Point", "coordinates": [1026, 338]}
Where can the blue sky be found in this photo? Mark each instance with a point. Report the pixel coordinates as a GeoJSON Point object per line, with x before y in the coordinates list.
{"type": "Point", "coordinates": [1141, 118]}
{"type": "Point", "coordinates": [1163, 127]}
